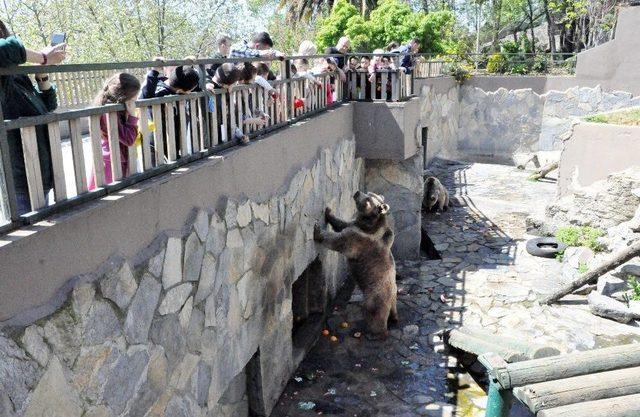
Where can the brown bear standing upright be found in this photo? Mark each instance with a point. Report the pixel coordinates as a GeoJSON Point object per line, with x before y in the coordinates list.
{"type": "Point", "coordinates": [366, 242]}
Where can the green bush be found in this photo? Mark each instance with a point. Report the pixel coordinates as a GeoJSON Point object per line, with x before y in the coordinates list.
{"type": "Point", "coordinates": [497, 64]}
{"type": "Point", "coordinates": [460, 71]}
{"type": "Point", "coordinates": [519, 68]}
{"type": "Point", "coordinates": [540, 63]}
{"type": "Point", "coordinates": [634, 285]}
{"type": "Point", "coordinates": [580, 236]}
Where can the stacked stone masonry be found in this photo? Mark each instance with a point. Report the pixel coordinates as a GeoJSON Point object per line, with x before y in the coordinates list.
{"type": "Point", "coordinates": [172, 335]}
{"type": "Point", "coordinates": [468, 123]}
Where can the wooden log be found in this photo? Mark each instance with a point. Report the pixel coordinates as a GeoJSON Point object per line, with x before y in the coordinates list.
{"type": "Point", "coordinates": [579, 389]}
{"type": "Point", "coordinates": [591, 276]}
{"type": "Point", "coordinates": [542, 172]}
{"type": "Point", "coordinates": [114, 147]}
{"type": "Point", "coordinates": [624, 406]}
{"type": "Point", "coordinates": [570, 365]}
{"type": "Point", "coordinates": [158, 134]}
{"type": "Point", "coordinates": [95, 136]}
{"type": "Point", "coordinates": [77, 151]}
{"type": "Point", "coordinates": [530, 349]}
{"type": "Point", "coordinates": [479, 346]}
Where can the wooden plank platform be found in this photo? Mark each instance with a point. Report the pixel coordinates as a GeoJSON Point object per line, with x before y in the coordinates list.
{"type": "Point", "coordinates": [625, 406]}
{"type": "Point", "coordinates": [579, 389]}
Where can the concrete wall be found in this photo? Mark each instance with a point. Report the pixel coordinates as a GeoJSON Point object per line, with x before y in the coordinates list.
{"type": "Point", "coordinates": [386, 130]}
{"type": "Point", "coordinates": [615, 64]}
{"type": "Point", "coordinates": [594, 151]}
{"type": "Point", "coordinates": [194, 288]}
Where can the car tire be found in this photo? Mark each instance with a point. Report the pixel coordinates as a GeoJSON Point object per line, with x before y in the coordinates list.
{"type": "Point", "coordinates": [545, 247]}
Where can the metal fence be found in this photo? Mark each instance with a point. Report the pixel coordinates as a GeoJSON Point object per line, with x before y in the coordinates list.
{"type": "Point", "coordinates": [429, 65]}
{"type": "Point", "coordinates": [175, 130]}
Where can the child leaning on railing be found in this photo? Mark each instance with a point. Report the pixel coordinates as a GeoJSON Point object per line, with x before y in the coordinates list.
{"type": "Point", "coordinates": [122, 88]}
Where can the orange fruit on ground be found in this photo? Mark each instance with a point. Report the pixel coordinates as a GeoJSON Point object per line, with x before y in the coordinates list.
{"type": "Point", "coordinates": [325, 332]}
{"type": "Point", "coordinates": [334, 339]}
{"type": "Point", "coordinates": [344, 325]}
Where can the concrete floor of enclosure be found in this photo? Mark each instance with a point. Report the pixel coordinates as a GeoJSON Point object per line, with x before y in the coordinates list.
{"type": "Point", "coordinates": [485, 278]}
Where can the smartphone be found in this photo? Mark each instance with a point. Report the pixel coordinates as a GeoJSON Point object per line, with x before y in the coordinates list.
{"type": "Point", "coordinates": [57, 38]}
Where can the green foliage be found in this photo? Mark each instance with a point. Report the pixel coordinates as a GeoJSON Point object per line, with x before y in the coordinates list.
{"type": "Point", "coordinates": [582, 268]}
{"type": "Point", "coordinates": [540, 63]}
{"type": "Point", "coordinates": [628, 117]}
{"type": "Point", "coordinates": [125, 30]}
{"type": "Point", "coordinates": [458, 70]}
{"type": "Point", "coordinates": [333, 26]}
{"type": "Point", "coordinates": [634, 286]}
{"type": "Point", "coordinates": [497, 64]}
{"type": "Point", "coordinates": [392, 20]}
{"type": "Point", "coordinates": [580, 236]}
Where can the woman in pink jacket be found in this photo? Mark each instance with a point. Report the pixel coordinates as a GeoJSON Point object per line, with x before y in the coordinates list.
{"type": "Point", "coordinates": [122, 88]}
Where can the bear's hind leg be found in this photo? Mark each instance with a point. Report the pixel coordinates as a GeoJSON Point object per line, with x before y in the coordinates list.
{"type": "Point", "coordinates": [376, 316]}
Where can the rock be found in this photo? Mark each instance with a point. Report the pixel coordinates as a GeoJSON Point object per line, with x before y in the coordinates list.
{"type": "Point", "coordinates": [586, 289]}
{"type": "Point", "coordinates": [207, 278]}
{"type": "Point", "coordinates": [100, 325]}
{"type": "Point", "coordinates": [437, 409]}
{"type": "Point", "coordinates": [140, 314]}
{"type": "Point", "coordinates": [607, 285]}
{"type": "Point", "coordinates": [607, 307]}
{"type": "Point", "coordinates": [119, 286]}
{"type": "Point", "coordinates": [54, 394]}
{"type": "Point", "coordinates": [200, 382]}
{"type": "Point", "coordinates": [244, 214]}
{"type": "Point", "coordinates": [18, 375]}
{"type": "Point", "coordinates": [411, 330]}
{"type": "Point", "coordinates": [156, 263]}
{"type": "Point", "coordinates": [63, 334]}
{"type": "Point", "coordinates": [234, 239]}
{"type": "Point", "coordinates": [261, 212]}
{"type": "Point", "coordinates": [633, 270]}
{"type": "Point", "coordinates": [201, 225]}
{"type": "Point", "coordinates": [124, 379]}
{"type": "Point", "coordinates": [175, 299]}
{"type": "Point", "coordinates": [167, 332]}
{"type": "Point", "coordinates": [185, 313]}
{"type": "Point", "coordinates": [34, 345]}
{"type": "Point", "coordinates": [193, 253]}
{"type": "Point", "coordinates": [217, 236]}
{"type": "Point", "coordinates": [634, 306]}
{"type": "Point", "coordinates": [577, 256]}
{"type": "Point", "coordinates": [98, 411]}
{"type": "Point", "coordinates": [181, 376]}
{"type": "Point", "coordinates": [172, 269]}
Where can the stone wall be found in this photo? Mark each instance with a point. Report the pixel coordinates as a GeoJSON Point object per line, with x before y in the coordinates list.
{"type": "Point", "coordinates": [470, 123]}
{"type": "Point", "coordinates": [173, 333]}
{"type": "Point", "coordinates": [401, 185]}
{"type": "Point", "coordinates": [440, 113]}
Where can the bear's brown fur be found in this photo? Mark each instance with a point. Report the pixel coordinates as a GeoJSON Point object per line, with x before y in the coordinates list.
{"type": "Point", "coordinates": [366, 242]}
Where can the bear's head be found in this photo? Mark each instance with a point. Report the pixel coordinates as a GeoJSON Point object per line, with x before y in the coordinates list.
{"type": "Point", "coordinates": [370, 204]}
{"type": "Point", "coordinates": [433, 192]}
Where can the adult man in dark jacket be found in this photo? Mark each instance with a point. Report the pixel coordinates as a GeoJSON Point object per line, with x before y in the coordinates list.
{"type": "Point", "coordinates": [20, 98]}
{"type": "Point", "coordinates": [407, 52]}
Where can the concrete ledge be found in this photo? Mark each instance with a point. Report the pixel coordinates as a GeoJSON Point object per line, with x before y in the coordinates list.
{"type": "Point", "coordinates": [38, 261]}
{"type": "Point", "coordinates": [387, 130]}
{"type": "Point", "coordinates": [594, 151]}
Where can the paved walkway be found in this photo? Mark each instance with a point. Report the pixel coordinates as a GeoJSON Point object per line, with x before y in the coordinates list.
{"type": "Point", "coordinates": [485, 278]}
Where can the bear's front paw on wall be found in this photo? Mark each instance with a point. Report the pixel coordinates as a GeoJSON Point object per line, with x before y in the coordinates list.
{"type": "Point", "coordinates": [328, 214]}
{"type": "Point", "coordinates": [317, 233]}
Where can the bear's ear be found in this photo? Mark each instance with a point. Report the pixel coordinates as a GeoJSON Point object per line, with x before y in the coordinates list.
{"type": "Point", "coordinates": [384, 209]}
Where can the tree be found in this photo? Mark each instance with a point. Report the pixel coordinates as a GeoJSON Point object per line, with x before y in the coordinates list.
{"type": "Point", "coordinates": [392, 20]}
{"type": "Point", "coordinates": [125, 30]}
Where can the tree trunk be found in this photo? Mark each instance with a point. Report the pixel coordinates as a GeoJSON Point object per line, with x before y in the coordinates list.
{"type": "Point", "coordinates": [551, 29]}
{"type": "Point", "coordinates": [533, 36]}
{"type": "Point", "coordinates": [617, 260]}
{"type": "Point", "coordinates": [425, 6]}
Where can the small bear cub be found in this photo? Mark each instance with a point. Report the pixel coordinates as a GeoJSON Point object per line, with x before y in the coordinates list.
{"type": "Point", "coordinates": [436, 197]}
{"type": "Point", "coordinates": [366, 242]}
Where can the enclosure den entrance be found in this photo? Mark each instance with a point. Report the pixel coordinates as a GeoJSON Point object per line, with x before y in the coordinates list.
{"type": "Point", "coordinates": [309, 301]}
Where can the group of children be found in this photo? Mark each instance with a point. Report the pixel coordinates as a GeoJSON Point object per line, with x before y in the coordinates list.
{"type": "Point", "coordinates": [124, 88]}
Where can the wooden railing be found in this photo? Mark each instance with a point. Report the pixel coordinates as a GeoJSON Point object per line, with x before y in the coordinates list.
{"type": "Point", "coordinates": [175, 130]}
{"type": "Point", "coordinates": [387, 85]}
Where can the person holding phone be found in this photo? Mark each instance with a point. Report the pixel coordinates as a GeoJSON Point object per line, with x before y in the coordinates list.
{"type": "Point", "coordinates": [21, 98]}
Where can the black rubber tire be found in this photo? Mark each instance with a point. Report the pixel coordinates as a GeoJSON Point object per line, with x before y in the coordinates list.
{"type": "Point", "coordinates": [545, 247]}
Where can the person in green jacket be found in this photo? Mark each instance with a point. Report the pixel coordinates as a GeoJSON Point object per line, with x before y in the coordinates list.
{"type": "Point", "coordinates": [20, 98]}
